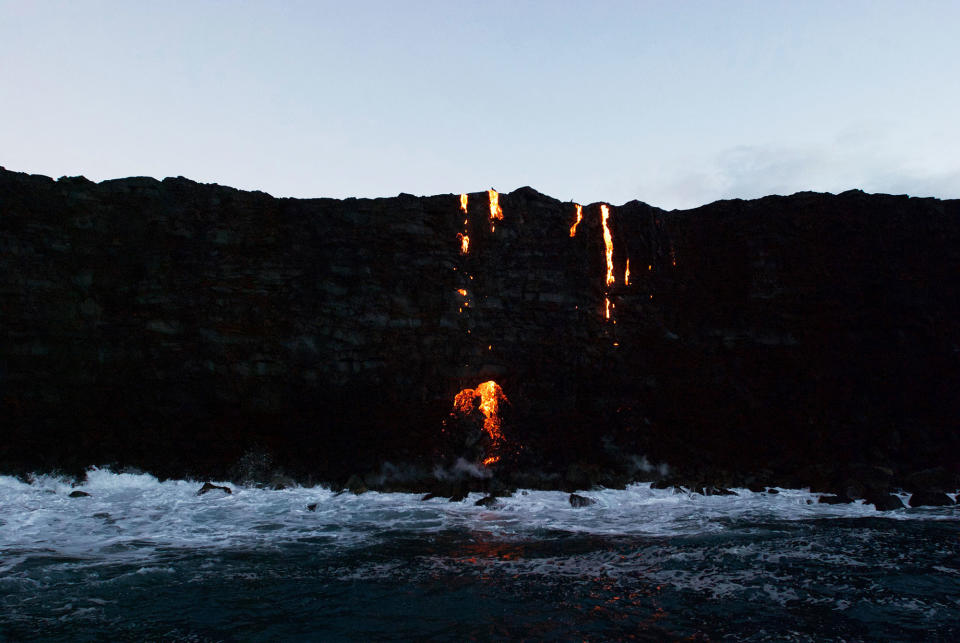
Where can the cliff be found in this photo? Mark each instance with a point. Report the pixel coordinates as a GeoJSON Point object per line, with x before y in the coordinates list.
{"type": "Point", "coordinates": [179, 327]}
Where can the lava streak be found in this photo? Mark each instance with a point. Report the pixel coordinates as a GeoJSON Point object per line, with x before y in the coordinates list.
{"type": "Point", "coordinates": [463, 203]}
{"type": "Point", "coordinates": [491, 395]}
{"type": "Point", "coordinates": [496, 212]}
{"type": "Point", "coordinates": [464, 243]}
{"type": "Point", "coordinates": [573, 228]}
{"type": "Point", "coordinates": [607, 242]}
{"type": "Point", "coordinates": [626, 274]}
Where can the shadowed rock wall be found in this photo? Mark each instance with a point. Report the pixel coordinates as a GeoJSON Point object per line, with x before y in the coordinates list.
{"type": "Point", "coordinates": [175, 326]}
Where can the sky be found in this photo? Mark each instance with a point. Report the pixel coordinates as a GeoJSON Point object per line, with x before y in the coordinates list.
{"type": "Point", "coordinates": [675, 103]}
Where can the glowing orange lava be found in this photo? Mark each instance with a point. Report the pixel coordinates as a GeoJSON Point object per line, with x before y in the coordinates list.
{"type": "Point", "coordinates": [496, 212]}
{"type": "Point", "coordinates": [463, 203]}
{"type": "Point", "coordinates": [607, 242]}
{"type": "Point", "coordinates": [462, 291]}
{"type": "Point", "coordinates": [464, 243]}
{"type": "Point", "coordinates": [607, 307]}
{"type": "Point", "coordinates": [491, 395]}
{"type": "Point", "coordinates": [573, 228]}
{"type": "Point", "coordinates": [626, 274]}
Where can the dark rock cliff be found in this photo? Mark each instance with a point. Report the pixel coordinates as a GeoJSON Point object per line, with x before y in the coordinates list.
{"type": "Point", "coordinates": [179, 327]}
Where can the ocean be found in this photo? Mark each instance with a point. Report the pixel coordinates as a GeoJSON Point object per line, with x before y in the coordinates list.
{"type": "Point", "coordinates": [140, 559]}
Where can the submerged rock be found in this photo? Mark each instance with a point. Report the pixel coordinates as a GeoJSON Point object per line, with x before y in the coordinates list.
{"type": "Point", "coordinates": [834, 500]}
{"type": "Point", "coordinates": [312, 506]}
{"type": "Point", "coordinates": [209, 486]}
{"type": "Point", "coordinates": [487, 501]}
{"type": "Point", "coordinates": [715, 491]}
{"type": "Point", "coordinates": [580, 501]}
{"type": "Point", "coordinates": [79, 494]}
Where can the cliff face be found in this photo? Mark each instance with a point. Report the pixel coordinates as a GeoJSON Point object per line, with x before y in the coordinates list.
{"type": "Point", "coordinates": [175, 326]}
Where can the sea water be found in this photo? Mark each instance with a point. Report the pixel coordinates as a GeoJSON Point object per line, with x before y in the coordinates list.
{"type": "Point", "coordinates": [140, 559]}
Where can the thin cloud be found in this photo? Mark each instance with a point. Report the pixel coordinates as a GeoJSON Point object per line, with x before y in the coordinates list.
{"type": "Point", "coordinates": [854, 159]}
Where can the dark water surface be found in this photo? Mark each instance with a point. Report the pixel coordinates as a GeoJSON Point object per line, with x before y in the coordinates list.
{"type": "Point", "coordinates": [144, 560]}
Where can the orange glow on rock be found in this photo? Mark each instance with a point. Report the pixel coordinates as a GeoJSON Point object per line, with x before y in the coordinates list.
{"type": "Point", "coordinates": [464, 243]}
{"type": "Point", "coordinates": [463, 203]}
{"type": "Point", "coordinates": [607, 242]}
{"type": "Point", "coordinates": [573, 228]}
{"type": "Point", "coordinates": [491, 395]}
{"type": "Point", "coordinates": [626, 274]}
{"type": "Point", "coordinates": [462, 291]}
{"type": "Point", "coordinates": [606, 313]}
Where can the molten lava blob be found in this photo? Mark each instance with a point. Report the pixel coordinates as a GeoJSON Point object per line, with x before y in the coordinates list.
{"type": "Point", "coordinates": [607, 242]}
{"type": "Point", "coordinates": [491, 396]}
{"type": "Point", "coordinates": [626, 274]}
{"type": "Point", "coordinates": [573, 228]}
{"type": "Point", "coordinates": [464, 243]}
{"type": "Point", "coordinates": [463, 203]}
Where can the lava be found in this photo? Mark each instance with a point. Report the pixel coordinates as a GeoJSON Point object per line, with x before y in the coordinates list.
{"type": "Point", "coordinates": [496, 212]}
{"type": "Point", "coordinates": [491, 395]}
{"type": "Point", "coordinates": [573, 228]}
{"type": "Point", "coordinates": [462, 236]}
{"type": "Point", "coordinates": [607, 242]}
{"type": "Point", "coordinates": [607, 307]}
{"type": "Point", "coordinates": [626, 274]}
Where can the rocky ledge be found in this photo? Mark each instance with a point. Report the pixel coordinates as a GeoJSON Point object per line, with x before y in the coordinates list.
{"type": "Point", "coordinates": [479, 340]}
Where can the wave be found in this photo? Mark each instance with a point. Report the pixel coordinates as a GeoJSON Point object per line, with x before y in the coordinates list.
{"type": "Point", "coordinates": [135, 515]}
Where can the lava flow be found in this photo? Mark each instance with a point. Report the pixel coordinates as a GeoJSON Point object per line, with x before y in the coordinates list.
{"type": "Point", "coordinates": [490, 395]}
{"type": "Point", "coordinates": [626, 274]}
{"type": "Point", "coordinates": [496, 212]}
{"type": "Point", "coordinates": [607, 242]}
{"type": "Point", "coordinates": [462, 236]}
{"type": "Point", "coordinates": [573, 228]}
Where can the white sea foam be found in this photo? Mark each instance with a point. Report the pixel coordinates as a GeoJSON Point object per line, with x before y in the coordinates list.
{"type": "Point", "coordinates": [131, 516]}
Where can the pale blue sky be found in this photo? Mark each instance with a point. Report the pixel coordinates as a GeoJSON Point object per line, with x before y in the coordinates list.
{"type": "Point", "coordinates": [673, 103]}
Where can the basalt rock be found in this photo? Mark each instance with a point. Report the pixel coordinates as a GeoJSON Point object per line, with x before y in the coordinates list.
{"type": "Point", "coordinates": [580, 501]}
{"type": "Point", "coordinates": [930, 499]}
{"type": "Point", "coordinates": [209, 486]}
{"type": "Point", "coordinates": [884, 501]}
{"type": "Point", "coordinates": [179, 327]}
{"type": "Point", "coordinates": [79, 494]}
